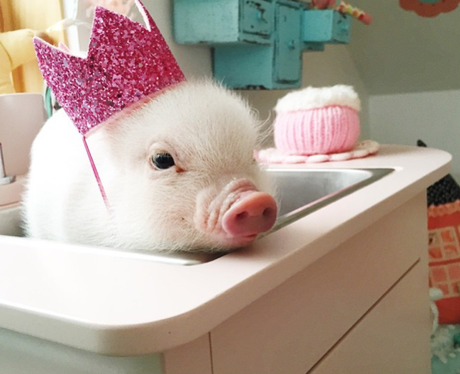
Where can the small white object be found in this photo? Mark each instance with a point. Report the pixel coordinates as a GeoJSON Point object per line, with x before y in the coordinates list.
{"type": "Point", "coordinates": [319, 97]}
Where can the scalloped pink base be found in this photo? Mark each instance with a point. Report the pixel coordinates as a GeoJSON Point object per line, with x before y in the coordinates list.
{"type": "Point", "coordinates": [275, 156]}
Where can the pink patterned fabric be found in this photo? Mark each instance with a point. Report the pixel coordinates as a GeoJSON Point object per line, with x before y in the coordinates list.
{"type": "Point", "coordinates": [126, 62]}
{"type": "Point", "coordinates": [326, 130]}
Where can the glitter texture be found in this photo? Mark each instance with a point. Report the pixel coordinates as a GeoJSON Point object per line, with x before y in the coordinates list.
{"type": "Point", "coordinates": [126, 62]}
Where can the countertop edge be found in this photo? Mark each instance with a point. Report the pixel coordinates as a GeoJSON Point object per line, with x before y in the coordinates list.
{"type": "Point", "coordinates": [265, 269]}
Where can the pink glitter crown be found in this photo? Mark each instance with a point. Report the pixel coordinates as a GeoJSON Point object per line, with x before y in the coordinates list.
{"type": "Point", "coordinates": [125, 63]}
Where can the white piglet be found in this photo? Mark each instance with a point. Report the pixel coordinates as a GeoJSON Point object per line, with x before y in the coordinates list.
{"type": "Point", "coordinates": [178, 171]}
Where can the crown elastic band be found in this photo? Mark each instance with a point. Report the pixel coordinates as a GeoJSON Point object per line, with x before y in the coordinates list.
{"type": "Point", "coordinates": [126, 63]}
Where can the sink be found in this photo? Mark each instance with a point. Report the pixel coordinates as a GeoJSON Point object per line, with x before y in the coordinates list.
{"type": "Point", "coordinates": [302, 191]}
{"type": "Point", "coordinates": [299, 193]}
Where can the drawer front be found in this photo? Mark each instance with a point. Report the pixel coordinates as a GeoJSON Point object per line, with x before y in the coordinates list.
{"type": "Point", "coordinates": [288, 56]}
{"type": "Point", "coordinates": [393, 338]}
{"type": "Point", "coordinates": [257, 17]}
{"type": "Point", "coordinates": [293, 326]}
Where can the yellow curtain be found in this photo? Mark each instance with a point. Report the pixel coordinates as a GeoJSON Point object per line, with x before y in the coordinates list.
{"type": "Point", "coordinates": [27, 14]}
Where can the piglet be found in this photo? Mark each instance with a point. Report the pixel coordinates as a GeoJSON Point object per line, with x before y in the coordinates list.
{"type": "Point", "coordinates": [178, 172]}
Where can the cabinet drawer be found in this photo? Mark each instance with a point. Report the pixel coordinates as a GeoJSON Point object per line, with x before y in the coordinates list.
{"type": "Point", "coordinates": [293, 326]}
{"type": "Point", "coordinates": [257, 17]}
{"type": "Point", "coordinates": [393, 338]}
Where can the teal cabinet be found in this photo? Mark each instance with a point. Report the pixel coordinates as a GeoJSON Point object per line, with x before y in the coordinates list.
{"type": "Point", "coordinates": [258, 44]}
{"type": "Point", "coordinates": [245, 66]}
{"type": "Point", "coordinates": [325, 26]}
{"type": "Point", "coordinates": [288, 53]}
{"type": "Point", "coordinates": [223, 21]}
{"type": "Point", "coordinates": [257, 18]}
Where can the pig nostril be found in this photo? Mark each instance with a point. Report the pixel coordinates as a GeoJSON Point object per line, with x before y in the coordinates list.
{"type": "Point", "coordinates": [252, 214]}
{"type": "Point", "coordinates": [241, 216]}
{"type": "Point", "coordinates": [268, 212]}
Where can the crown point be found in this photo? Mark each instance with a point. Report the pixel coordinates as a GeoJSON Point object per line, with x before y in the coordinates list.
{"type": "Point", "coordinates": [126, 62]}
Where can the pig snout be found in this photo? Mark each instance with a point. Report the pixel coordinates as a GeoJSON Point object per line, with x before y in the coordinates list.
{"type": "Point", "coordinates": [253, 213]}
{"type": "Point", "coordinates": [236, 215]}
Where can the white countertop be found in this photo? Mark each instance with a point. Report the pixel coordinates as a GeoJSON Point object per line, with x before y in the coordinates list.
{"type": "Point", "coordinates": [110, 303]}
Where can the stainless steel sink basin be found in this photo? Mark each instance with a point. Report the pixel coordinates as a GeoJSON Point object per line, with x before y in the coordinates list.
{"type": "Point", "coordinates": [300, 192]}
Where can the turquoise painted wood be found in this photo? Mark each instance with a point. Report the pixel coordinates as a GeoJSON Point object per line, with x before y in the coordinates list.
{"type": "Point", "coordinates": [257, 18]}
{"type": "Point", "coordinates": [288, 52]}
{"type": "Point", "coordinates": [223, 21]}
{"type": "Point", "coordinates": [258, 44]}
{"type": "Point", "coordinates": [245, 66]}
{"type": "Point", "coordinates": [325, 26]}
{"type": "Point", "coordinates": [206, 21]}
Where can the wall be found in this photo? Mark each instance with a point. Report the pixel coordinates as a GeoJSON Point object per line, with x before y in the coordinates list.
{"type": "Point", "coordinates": [333, 66]}
{"type": "Point", "coordinates": [410, 67]}
{"type": "Point", "coordinates": [433, 117]}
{"type": "Point", "coordinates": [401, 52]}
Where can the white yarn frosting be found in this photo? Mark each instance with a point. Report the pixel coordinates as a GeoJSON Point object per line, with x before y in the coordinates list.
{"type": "Point", "coordinates": [312, 97]}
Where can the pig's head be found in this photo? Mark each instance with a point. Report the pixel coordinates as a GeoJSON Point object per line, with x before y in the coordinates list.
{"type": "Point", "coordinates": [185, 176]}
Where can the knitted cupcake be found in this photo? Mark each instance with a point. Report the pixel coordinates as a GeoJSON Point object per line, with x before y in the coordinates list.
{"type": "Point", "coordinates": [317, 121]}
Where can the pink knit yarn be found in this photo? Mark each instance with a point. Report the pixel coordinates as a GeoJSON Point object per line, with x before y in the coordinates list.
{"type": "Point", "coordinates": [324, 130]}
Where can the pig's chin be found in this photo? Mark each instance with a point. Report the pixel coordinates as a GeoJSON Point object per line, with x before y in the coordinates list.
{"type": "Point", "coordinates": [215, 242]}
{"type": "Point", "coordinates": [191, 239]}
{"type": "Point", "coordinates": [226, 243]}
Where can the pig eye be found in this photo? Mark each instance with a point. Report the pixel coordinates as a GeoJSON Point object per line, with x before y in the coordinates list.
{"type": "Point", "coordinates": [162, 161]}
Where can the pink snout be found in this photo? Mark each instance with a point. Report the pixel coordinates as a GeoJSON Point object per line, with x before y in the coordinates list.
{"type": "Point", "coordinates": [254, 213]}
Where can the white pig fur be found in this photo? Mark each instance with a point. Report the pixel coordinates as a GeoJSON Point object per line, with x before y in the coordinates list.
{"type": "Point", "coordinates": [210, 132]}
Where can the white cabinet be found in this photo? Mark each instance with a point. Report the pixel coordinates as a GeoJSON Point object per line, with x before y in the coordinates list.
{"type": "Point", "coordinates": [370, 295]}
{"type": "Point", "coordinates": [342, 290]}
{"type": "Point", "coordinates": [391, 338]}
{"type": "Point", "coordinates": [363, 308]}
